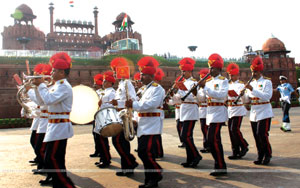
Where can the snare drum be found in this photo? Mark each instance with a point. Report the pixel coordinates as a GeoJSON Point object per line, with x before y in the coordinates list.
{"type": "Point", "coordinates": [108, 122]}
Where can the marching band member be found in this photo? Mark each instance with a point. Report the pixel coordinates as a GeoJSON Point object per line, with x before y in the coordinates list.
{"type": "Point", "coordinates": [260, 92]}
{"type": "Point", "coordinates": [202, 111]}
{"type": "Point", "coordinates": [189, 113]}
{"type": "Point", "coordinates": [216, 90]}
{"type": "Point", "coordinates": [128, 161]}
{"type": "Point", "coordinates": [159, 74]}
{"type": "Point", "coordinates": [59, 100]}
{"type": "Point", "coordinates": [149, 120]}
{"type": "Point", "coordinates": [98, 81]}
{"type": "Point", "coordinates": [236, 112]}
{"type": "Point", "coordinates": [106, 95]}
{"type": "Point", "coordinates": [176, 102]}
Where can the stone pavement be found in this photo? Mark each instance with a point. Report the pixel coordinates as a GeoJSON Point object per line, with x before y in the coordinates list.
{"type": "Point", "coordinates": [283, 171]}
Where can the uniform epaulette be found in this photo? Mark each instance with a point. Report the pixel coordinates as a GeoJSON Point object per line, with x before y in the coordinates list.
{"type": "Point", "coordinates": [102, 93]}
{"type": "Point", "coordinates": [61, 82]}
{"type": "Point", "coordinates": [221, 77]}
{"type": "Point", "coordinates": [208, 79]}
{"type": "Point", "coordinates": [154, 84]}
{"type": "Point", "coordinates": [267, 78]}
{"type": "Point", "coordinates": [241, 82]}
{"type": "Point", "coordinates": [193, 79]}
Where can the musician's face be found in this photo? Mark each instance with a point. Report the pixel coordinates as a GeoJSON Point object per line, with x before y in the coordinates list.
{"type": "Point", "coordinates": [186, 74]}
{"type": "Point", "coordinates": [146, 78]}
{"type": "Point", "coordinates": [256, 74]}
{"type": "Point", "coordinates": [233, 77]}
{"type": "Point", "coordinates": [214, 71]}
{"type": "Point", "coordinates": [57, 74]}
{"type": "Point", "coordinates": [107, 84]}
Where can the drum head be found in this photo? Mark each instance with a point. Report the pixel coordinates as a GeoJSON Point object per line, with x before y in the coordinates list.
{"type": "Point", "coordinates": [111, 130]}
{"type": "Point", "coordinates": [85, 104]}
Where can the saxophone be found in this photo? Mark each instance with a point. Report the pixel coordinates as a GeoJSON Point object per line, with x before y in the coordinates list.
{"type": "Point", "coordinates": [128, 126]}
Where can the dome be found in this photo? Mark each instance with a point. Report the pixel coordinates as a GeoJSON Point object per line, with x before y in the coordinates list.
{"type": "Point", "coordinates": [120, 17]}
{"type": "Point", "coordinates": [273, 45]}
{"type": "Point", "coordinates": [25, 9]}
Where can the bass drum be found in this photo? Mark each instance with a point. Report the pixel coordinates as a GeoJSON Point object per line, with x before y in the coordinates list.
{"type": "Point", "coordinates": [85, 104]}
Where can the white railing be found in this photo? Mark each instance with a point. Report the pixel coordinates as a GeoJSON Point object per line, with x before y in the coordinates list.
{"type": "Point", "coordinates": [45, 53]}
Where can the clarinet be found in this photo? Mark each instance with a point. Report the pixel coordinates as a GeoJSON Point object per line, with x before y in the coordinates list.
{"type": "Point", "coordinates": [242, 92]}
{"type": "Point", "coordinates": [194, 87]}
{"type": "Point", "coordinates": [172, 88]}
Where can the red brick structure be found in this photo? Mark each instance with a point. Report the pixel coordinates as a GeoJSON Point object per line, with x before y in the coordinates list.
{"type": "Point", "coordinates": [23, 34]}
{"type": "Point", "coordinates": [65, 35]}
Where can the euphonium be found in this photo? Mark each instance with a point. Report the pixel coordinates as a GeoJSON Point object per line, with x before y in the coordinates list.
{"type": "Point", "coordinates": [128, 126]}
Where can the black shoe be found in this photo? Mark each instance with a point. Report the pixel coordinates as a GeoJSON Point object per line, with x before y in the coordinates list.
{"type": "Point", "coordinates": [38, 171]}
{"type": "Point", "coordinates": [186, 164]}
{"type": "Point", "coordinates": [46, 182]}
{"type": "Point", "coordinates": [281, 128]}
{"type": "Point", "coordinates": [258, 161]}
{"type": "Point", "coordinates": [266, 160]}
{"type": "Point", "coordinates": [234, 157]}
{"type": "Point", "coordinates": [95, 155]}
{"type": "Point", "coordinates": [205, 150]}
{"type": "Point", "coordinates": [33, 161]}
{"type": "Point", "coordinates": [129, 173]}
{"type": "Point", "coordinates": [104, 164]}
{"type": "Point", "coordinates": [219, 172]}
{"type": "Point", "coordinates": [135, 150]}
{"type": "Point", "coordinates": [182, 145]}
{"type": "Point", "coordinates": [196, 161]}
{"type": "Point", "coordinates": [243, 152]}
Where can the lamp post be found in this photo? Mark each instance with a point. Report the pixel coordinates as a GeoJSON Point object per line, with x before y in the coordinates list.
{"type": "Point", "coordinates": [23, 41]}
{"type": "Point", "coordinates": [192, 48]}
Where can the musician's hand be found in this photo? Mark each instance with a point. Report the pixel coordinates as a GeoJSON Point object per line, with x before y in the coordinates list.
{"type": "Point", "coordinates": [247, 106]}
{"type": "Point", "coordinates": [37, 81]}
{"type": "Point", "coordinates": [114, 102]}
{"type": "Point", "coordinates": [27, 87]}
{"type": "Point", "coordinates": [249, 87]}
{"type": "Point", "coordinates": [100, 103]}
{"type": "Point", "coordinates": [128, 103]}
{"type": "Point", "coordinates": [202, 84]}
{"type": "Point", "coordinates": [194, 92]}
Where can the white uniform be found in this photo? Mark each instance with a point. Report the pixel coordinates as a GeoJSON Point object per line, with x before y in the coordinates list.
{"type": "Point", "coordinates": [238, 109]}
{"type": "Point", "coordinates": [216, 90]}
{"type": "Point", "coordinates": [36, 111]}
{"type": "Point", "coordinates": [174, 101]}
{"type": "Point", "coordinates": [121, 94]}
{"type": "Point", "coordinates": [260, 99]}
{"type": "Point", "coordinates": [202, 103]}
{"type": "Point", "coordinates": [59, 100]}
{"type": "Point", "coordinates": [149, 117]}
{"type": "Point", "coordinates": [106, 96]}
{"type": "Point", "coordinates": [189, 107]}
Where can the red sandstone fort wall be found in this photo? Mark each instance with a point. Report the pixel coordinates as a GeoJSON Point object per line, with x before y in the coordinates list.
{"type": "Point", "coordinates": [9, 108]}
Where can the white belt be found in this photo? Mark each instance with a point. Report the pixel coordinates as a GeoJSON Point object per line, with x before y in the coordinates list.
{"type": "Point", "coordinates": [57, 116]}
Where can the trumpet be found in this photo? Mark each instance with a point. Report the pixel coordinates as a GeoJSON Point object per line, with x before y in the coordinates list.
{"type": "Point", "coordinates": [26, 77]}
{"type": "Point", "coordinates": [172, 89]}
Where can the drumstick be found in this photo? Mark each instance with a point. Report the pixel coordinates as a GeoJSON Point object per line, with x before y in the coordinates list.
{"type": "Point", "coordinates": [27, 67]}
{"type": "Point", "coordinates": [17, 79]}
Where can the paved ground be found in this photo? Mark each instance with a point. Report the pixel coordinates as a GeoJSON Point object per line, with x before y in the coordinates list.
{"type": "Point", "coordinates": [283, 171]}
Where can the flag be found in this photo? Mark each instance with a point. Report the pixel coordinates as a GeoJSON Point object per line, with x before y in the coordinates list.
{"type": "Point", "coordinates": [71, 3]}
{"type": "Point", "coordinates": [124, 23]}
{"type": "Point", "coordinates": [122, 72]}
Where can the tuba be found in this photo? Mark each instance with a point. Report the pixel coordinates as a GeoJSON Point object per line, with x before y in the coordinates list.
{"type": "Point", "coordinates": [128, 125]}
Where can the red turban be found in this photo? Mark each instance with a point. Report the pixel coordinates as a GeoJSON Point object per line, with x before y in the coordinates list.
{"type": "Point", "coordinates": [137, 76]}
{"type": "Point", "coordinates": [148, 65]}
{"type": "Point", "coordinates": [61, 60]}
{"type": "Point", "coordinates": [159, 74]}
{"type": "Point", "coordinates": [187, 64]}
{"type": "Point", "coordinates": [257, 64]}
{"type": "Point", "coordinates": [215, 61]}
{"type": "Point", "coordinates": [38, 69]}
{"type": "Point", "coordinates": [47, 69]}
{"type": "Point", "coordinates": [203, 72]}
{"type": "Point", "coordinates": [233, 69]}
{"type": "Point", "coordinates": [118, 62]}
{"type": "Point", "coordinates": [109, 76]}
{"type": "Point", "coordinates": [98, 79]}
